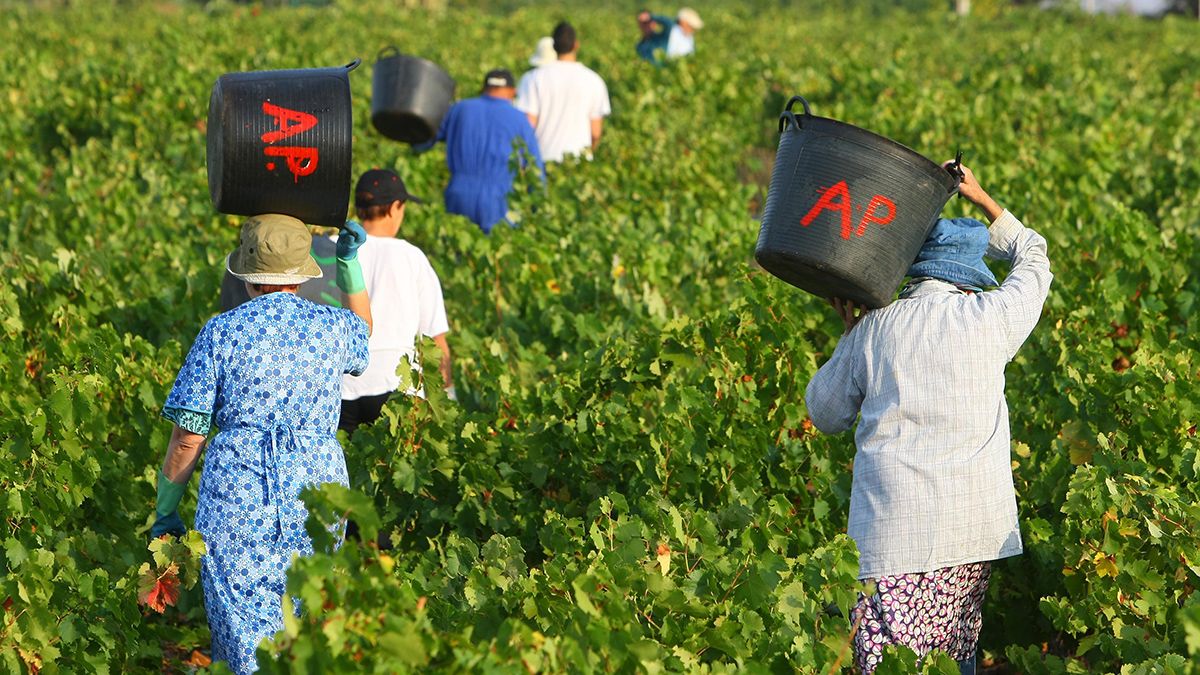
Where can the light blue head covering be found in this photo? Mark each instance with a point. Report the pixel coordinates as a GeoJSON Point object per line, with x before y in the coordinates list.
{"type": "Point", "coordinates": [953, 252]}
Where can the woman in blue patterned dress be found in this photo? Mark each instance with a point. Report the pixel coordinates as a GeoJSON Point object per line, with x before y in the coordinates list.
{"type": "Point", "coordinates": [268, 375]}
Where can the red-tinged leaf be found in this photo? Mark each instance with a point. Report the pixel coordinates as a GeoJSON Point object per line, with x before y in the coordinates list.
{"type": "Point", "coordinates": [147, 578]}
{"type": "Point", "coordinates": [163, 592]}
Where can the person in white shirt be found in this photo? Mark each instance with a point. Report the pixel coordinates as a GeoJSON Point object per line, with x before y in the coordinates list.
{"type": "Point", "coordinates": [672, 38]}
{"type": "Point", "coordinates": [544, 53]}
{"type": "Point", "coordinates": [566, 101]}
{"type": "Point", "coordinates": [932, 502]}
{"type": "Point", "coordinates": [406, 298]}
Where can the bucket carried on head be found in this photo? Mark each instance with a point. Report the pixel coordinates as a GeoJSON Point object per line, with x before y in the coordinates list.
{"type": "Point", "coordinates": [847, 210]}
{"type": "Point", "coordinates": [279, 141]}
{"type": "Point", "coordinates": [409, 96]}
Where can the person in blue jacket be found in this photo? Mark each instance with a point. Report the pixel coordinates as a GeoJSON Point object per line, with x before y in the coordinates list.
{"type": "Point", "coordinates": [481, 135]}
{"type": "Point", "coordinates": [672, 39]}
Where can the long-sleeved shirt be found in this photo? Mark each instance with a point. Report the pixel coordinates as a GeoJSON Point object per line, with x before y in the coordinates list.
{"type": "Point", "coordinates": [670, 38]}
{"type": "Point", "coordinates": [932, 480]}
{"type": "Point", "coordinates": [481, 135]}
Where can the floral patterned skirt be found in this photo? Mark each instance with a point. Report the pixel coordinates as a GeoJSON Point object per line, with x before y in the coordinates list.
{"type": "Point", "coordinates": [942, 610]}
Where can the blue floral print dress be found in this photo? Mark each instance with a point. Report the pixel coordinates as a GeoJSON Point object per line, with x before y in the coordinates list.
{"type": "Point", "coordinates": [268, 375]}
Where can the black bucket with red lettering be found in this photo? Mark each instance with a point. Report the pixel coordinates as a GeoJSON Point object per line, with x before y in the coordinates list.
{"type": "Point", "coordinates": [409, 96]}
{"type": "Point", "coordinates": [847, 210]}
{"type": "Point", "coordinates": [279, 141]}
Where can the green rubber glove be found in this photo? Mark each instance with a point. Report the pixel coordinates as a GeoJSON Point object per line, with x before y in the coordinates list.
{"type": "Point", "coordinates": [166, 508]}
{"type": "Point", "coordinates": [350, 276]}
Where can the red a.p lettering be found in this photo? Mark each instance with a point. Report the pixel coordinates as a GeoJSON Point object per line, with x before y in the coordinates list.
{"type": "Point", "coordinates": [300, 161]}
{"type": "Point", "coordinates": [880, 210]}
{"type": "Point", "coordinates": [290, 122]}
{"type": "Point", "coordinates": [841, 192]}
{"type": "Point", "coordinates": [873, 216]}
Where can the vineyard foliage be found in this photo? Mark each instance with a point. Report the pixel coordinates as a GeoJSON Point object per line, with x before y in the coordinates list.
{"type": "Point", "coordinates": [628, 481]}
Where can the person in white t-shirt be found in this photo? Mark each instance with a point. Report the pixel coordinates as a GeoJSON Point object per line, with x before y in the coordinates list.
{"type": "Point", "coordinates": [665, 37]}
{"type": "Point", "coordinates": [406, 299]}
{"type": "Point", "coordinates": [565, 100]}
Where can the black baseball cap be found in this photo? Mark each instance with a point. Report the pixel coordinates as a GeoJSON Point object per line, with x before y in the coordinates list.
{"type": "Point", "coordinates": [498, 77]}
{"type": "Point", "coordinates": [380, 187]}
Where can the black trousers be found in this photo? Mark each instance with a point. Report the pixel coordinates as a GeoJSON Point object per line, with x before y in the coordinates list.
{"type": "Point", "coordinates": [361, 411]}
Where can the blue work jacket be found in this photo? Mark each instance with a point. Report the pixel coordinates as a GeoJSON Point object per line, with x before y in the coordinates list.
{"type": "Point", "coordinates": [658, 41]}
{"type": "Point", "coordinates": [481, 135]}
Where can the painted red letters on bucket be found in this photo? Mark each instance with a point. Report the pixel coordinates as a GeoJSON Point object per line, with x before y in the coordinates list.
{"type": "Point", "coordinates": [301, 161]}
{"type": "Point", "coordinates": [880, 210]}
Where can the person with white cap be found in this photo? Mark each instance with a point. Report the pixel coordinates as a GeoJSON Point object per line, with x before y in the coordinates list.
{"type": "Point", "coordinates": [932, 502]}
{"type": "Point", "coordinates": [268, 375]}
{"type": "Point", "coordinates": [673, 38]}
{"type": "Point", "coordinates": [544, 52]}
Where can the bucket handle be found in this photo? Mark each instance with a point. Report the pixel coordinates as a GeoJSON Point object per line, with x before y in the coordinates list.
{"type": "Point", "coordinates": [789, 116]}
{"type": "Point", "coordinates": [394, 51]}
{"type": "Point", "coordinates": [955, 169]}
{"type": "Point", "coordinates": [352, 65]}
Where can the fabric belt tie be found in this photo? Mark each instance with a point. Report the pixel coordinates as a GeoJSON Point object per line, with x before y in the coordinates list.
{"type": "Point", "coordinates": [282, 440]}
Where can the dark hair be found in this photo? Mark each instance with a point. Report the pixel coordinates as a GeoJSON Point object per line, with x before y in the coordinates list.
{"type": "Point", "coordinates": [564, 38]}
{"type": "Point", "coordinates": [374, 212]}
{"type": "Point", "coordinates": [273, 288]}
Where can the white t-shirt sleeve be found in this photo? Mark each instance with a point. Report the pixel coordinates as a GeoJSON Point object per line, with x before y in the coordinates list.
{"type": "Point", "coordinates": [527, 101]}
{"type": "Point", "coordinates": [433, 306]}
{"type": "Point", "coordinates": [601, 107]}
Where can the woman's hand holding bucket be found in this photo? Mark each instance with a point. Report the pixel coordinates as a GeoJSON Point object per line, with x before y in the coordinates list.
{"type": "Point", "coordinates": [970, 189]}
{"type": "Point", "coordinates": [850, 313]}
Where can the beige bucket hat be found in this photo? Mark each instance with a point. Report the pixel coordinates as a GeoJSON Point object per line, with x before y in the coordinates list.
{"type": "Point", "coordinates": [691, 17]}
{"type": "Point", "coordinates": [274, 249]}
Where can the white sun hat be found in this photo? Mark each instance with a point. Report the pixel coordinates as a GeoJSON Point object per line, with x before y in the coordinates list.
{"type": "Point", "coordinates": [545, 52]}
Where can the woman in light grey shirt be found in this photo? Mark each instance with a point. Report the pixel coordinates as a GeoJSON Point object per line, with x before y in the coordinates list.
{"type": "Point", "coordinates": [932, 500]}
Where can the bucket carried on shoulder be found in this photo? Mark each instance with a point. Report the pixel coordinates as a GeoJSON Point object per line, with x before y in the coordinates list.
{"type": "Point", "coordinates": [847, 210]}
{"type": "Point", "coordinates": [409, 96]}
{"type": "Point", "coordinates": [279, 141]}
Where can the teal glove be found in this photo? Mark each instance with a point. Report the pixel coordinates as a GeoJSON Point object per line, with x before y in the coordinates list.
{"type": "Point", "coordinates": [349, 239]}
{"type": "Point", "coordinates": [166, 508]}
{"type": "Point", "coordinates": [350, 276]}
{"type": "Point", "coordinates": [349, 271]}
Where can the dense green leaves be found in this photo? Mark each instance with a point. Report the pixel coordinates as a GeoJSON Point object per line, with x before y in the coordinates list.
{"type": "Point", "coordinates": [629, 481]}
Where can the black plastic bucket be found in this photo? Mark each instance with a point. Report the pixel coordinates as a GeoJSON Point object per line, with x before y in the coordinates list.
{"type": "Point", "coordinates": [279, 141]}
{"type": "Point", "coordinates": [409, 96]}
{"type": "Point", "coordinates": [847, 210]}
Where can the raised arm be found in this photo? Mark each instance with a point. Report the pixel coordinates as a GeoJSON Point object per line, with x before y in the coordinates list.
{"type": "Point", "coordinates": [349, 272]}
{"type": "Point", "coordinates": [1018, 302]}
